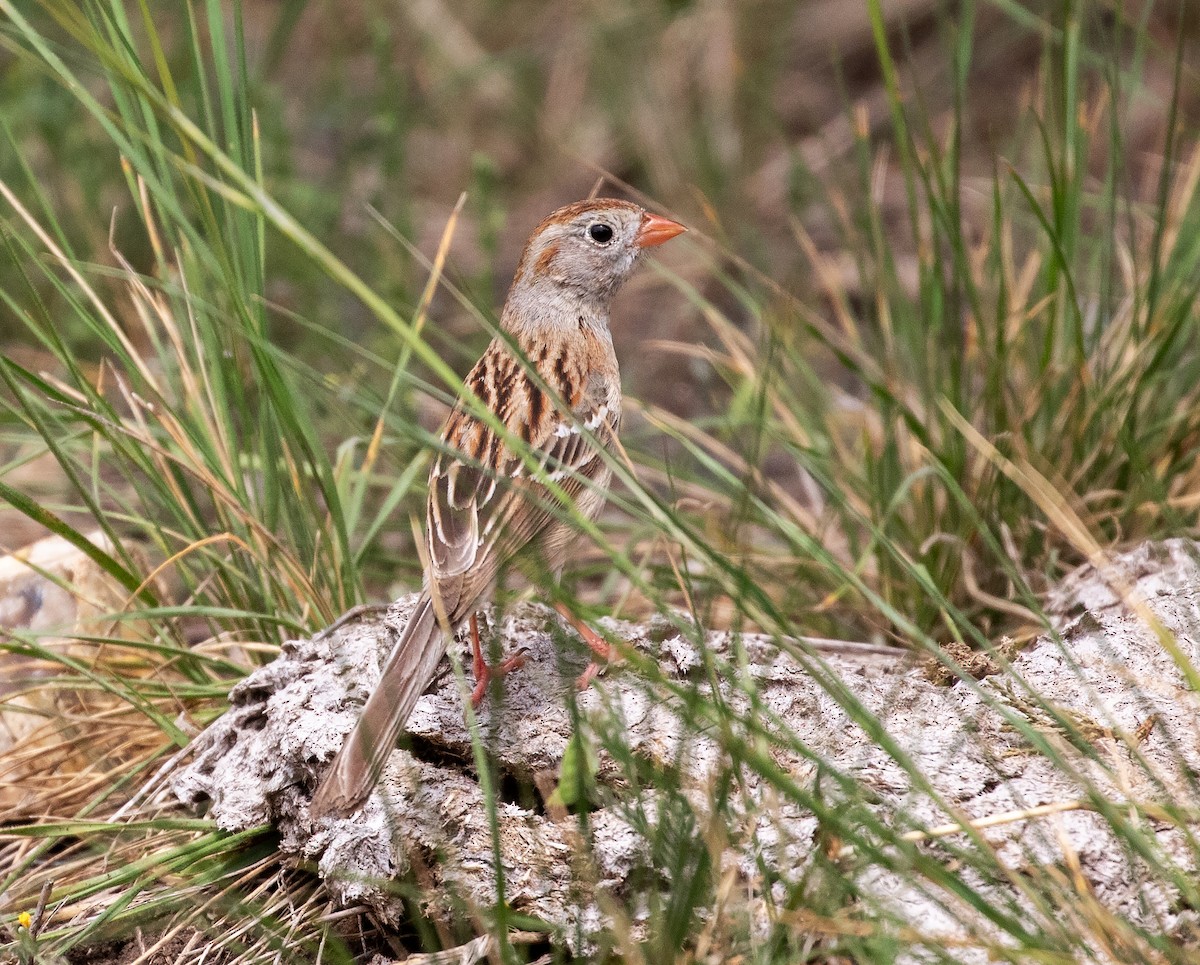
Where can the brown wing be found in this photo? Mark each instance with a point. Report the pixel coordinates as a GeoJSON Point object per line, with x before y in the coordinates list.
{"type": "Point", "coordinates": [485, 501]}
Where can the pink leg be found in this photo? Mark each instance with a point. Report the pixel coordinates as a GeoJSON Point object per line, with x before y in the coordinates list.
{"type": "Point", "coordinates": [595, 642]}
{"type": "Point", "coordinates": [483, 671]}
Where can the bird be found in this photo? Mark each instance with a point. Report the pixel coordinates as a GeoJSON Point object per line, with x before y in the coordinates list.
{"type": "Point", "coordinates": [489, 501]}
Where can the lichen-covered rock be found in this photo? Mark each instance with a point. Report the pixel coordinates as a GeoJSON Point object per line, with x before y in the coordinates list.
{"type": "Point", "coordinates": [1107, 693]}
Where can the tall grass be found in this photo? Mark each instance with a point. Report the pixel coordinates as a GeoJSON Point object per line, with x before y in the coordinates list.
{"type": "Point", "coordinates": [912, 450]}
{"type": "Point", "coordinates": [1040, 332]}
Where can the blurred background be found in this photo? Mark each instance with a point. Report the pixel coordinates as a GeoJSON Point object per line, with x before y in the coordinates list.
{"type": "Point", "coordinates": [740, 118]}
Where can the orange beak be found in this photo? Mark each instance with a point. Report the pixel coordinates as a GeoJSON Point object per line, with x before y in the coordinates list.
{"type": "Point", "coordinates": [656, 230]}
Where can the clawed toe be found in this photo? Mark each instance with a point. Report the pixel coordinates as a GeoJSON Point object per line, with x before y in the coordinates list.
{"type": "Point", "coordinates": [584, 680]}
{"type": "Point", "coordinates": [603, 650]}
{"type": "Point", "coordinates": [485, 674]}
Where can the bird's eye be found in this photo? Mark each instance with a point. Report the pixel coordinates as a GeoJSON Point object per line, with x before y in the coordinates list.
{"type": "Point", "coordinates": [600, 233]}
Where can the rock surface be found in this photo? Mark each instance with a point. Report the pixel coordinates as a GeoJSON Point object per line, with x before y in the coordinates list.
{"type": "Point", "coordinates": [54, 595]}
{"type": "Point", "coordinates": [1105, 693]}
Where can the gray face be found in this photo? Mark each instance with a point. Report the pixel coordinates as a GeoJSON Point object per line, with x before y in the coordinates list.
{"type": "Point", "coordinates": [589, 250]}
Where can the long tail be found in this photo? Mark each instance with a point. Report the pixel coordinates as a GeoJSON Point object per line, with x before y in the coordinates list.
{"type": "Point", "coordinates": [409, 668]}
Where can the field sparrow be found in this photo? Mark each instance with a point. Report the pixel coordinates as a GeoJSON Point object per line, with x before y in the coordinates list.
{"type": "Point", "coordinates": [486, 502]}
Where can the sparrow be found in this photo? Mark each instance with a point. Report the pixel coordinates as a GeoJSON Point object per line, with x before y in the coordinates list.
{"type": "Point", "coordinates": [490, 501]}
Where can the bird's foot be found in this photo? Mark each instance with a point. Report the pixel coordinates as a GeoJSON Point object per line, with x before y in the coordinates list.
{"type": "Point", "coordinates": [485, 673]}
{"type": "Point", "coordinates": [584, 680]}
{"type": "Point", "coordinates": [603, 650]}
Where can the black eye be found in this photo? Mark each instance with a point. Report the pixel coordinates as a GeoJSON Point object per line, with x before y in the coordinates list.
{"type": "Point", "coordinates": [600, 233]}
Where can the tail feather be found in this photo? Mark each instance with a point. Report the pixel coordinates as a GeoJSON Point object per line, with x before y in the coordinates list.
{"type": "Point", "coordinates": [409, 668]}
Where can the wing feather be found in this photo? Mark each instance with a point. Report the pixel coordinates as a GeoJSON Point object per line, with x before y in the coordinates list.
{"type": "Point", "coordinates": [485, 502]}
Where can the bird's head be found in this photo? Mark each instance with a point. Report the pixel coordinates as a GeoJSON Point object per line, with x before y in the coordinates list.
{"type": "Point", "coordinates": [582, 253]}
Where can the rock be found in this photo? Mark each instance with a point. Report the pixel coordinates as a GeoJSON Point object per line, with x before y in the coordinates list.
{"type": "Point", "coordinates": [57, 599]}
{"type": "Point", "coordinates": [1105, 693]}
